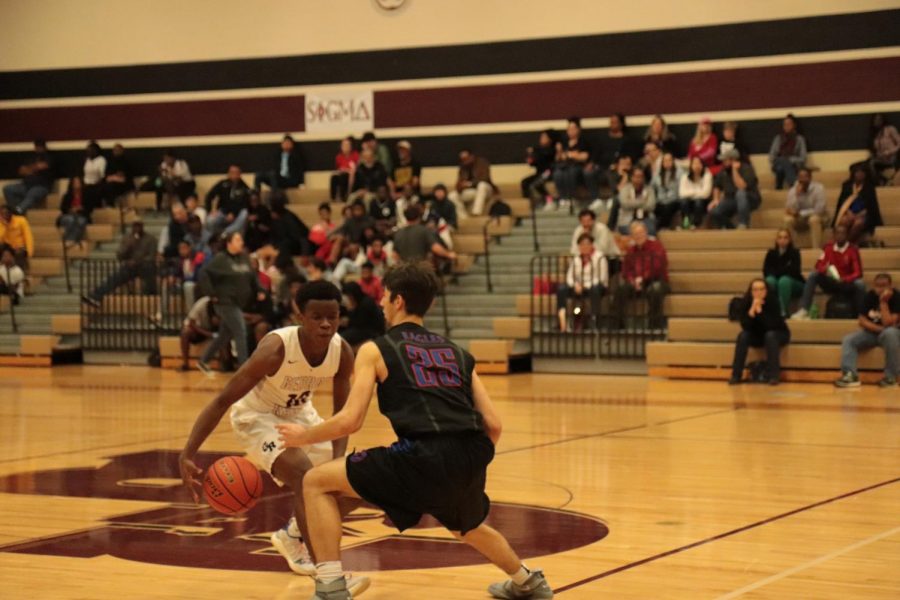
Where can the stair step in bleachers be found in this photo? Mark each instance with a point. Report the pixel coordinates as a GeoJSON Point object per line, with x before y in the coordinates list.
{"type": "Point", "coordinates": [734, 282]}
{"type": "Point", "coordinates": [713, 305]}
{"type": "Point", "coordinates": [752, 260]}
{"type": "Point", "coordinates": [66, 324]}
{"type": "Point", "coordinates": [820, 331]}
{"type": "Point", "coordinates": [793, 356]}
{"type": "Point", "coordinates": [516, 328]}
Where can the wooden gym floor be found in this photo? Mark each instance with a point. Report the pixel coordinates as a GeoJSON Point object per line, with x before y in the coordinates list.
{"type": "Point", "coordinates": [617, 487]}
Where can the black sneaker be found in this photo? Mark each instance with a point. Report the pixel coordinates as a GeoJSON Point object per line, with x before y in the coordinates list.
{"type": "Point", "coordinates": [887, 382]}
{"type": "Point", "coordinates": [847, 380]}
{"type": "Point", "coordinates": [204, 368]}
{"type": "Point", "coordinates": [734, 381]}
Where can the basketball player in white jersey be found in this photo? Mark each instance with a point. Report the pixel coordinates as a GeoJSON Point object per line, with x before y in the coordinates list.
{"type": "Point", "coordinates": [275, 386]}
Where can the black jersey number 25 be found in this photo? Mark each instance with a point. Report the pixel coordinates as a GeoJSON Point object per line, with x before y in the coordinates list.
{"type": "Point", "coordinates": [434, 365]}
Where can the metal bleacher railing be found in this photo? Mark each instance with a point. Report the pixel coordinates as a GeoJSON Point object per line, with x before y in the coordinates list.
{"type": "Point", "coordinates": [137, 304]}
{"type": "Point", "coordinates": [602, 327]}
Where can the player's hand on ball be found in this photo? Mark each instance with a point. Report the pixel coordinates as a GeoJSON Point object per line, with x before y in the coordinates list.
{"type": "Point", "coordinates": [190, 475]}
{"type": "Point", "coordinates": [291, 435]}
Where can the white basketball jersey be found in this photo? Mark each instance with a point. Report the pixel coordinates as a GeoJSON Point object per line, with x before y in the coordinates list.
{"type": "Point", "coordinates": [288, 393]}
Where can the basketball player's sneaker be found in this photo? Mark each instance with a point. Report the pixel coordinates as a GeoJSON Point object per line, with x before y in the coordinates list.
{"type": "Point", "coordinates": [534, 588]}
{"type": "Point", "coordinates": [345, 588]}
{"type": "Point", "coordinates": [294, 551]}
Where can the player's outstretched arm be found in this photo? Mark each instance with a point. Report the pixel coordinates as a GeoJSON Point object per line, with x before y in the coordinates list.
{"type": "Point", "coordinates": [340, 392]}
{"type": "Point", "coordinates": [350, 418]}
{"type": "Point", "coordinates": [483, 404]}
{"type": "Point", "coordinates": [265, 360]}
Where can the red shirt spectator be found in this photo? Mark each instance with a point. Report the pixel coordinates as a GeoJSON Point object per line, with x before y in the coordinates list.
{"type": "Point", "coordinates": [705, 145]}
{"type": "Point", "coordinates": [371, 286]}
{"type": "Point", "coordinates": [844, 258]}
{"type": "Point", "coordinates": [647, 262]}
{"type": "Point", "coordinates": [346, 162]}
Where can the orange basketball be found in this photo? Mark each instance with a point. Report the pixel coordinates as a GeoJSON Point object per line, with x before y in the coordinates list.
{"type": "Point", "coordinates": [232, 485]}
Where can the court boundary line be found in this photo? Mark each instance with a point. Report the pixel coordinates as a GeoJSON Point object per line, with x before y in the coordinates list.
{"type": "Point", "coordinates": [620, 430]}
{"type": "Point", "coordinates": [810, 563]}
{"type": "Point", "coordinates": [720, 536]}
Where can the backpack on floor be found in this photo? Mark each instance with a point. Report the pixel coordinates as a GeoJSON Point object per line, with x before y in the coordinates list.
{"type": "Point", "coordinates": [840, 307]}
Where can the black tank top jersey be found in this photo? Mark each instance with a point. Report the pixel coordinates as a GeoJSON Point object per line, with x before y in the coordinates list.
{"type": "Point", "coordinates": [428, 389]}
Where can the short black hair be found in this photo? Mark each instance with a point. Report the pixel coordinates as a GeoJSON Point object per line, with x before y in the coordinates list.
{"type": "Point", "coordinates": [416, 282]}
{"type": "Point", "coordinates": [41, 143]}
{"type": "Point", "coordinates": [368, 136]}
{"type": "Point", "coordinates": [412, 213]}
{"type": "Point", "coordinates": [317, 290]}
{"type": "Point", "coordinates": [367, 265]}
{"type": "Point", "coordinates": [884, 276]}
{"type": "Point", "coordinates": [319, 264]}
{"type": "Point", "coordinates": [585, 236]}
{"type": "Point", "coordinates": [325, 206]}
{"type": "Point", "coordinates": [586, 212]}
{"type": "Point", "coordinates": [574, 120]}
{"type": "Point", "coordinates": [287, 137]}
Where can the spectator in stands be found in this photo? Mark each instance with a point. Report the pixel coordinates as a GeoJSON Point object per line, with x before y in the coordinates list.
{"type": "Point", "coordinates": [787, 153]}
{"type": "Point", "coordinates": [174, 180]}
{"type": "Point", "coordinates": [735, 191]}
{"type": "Point", "coordinates": [344, 168]}
{"type": "Point", "coordinates": [885, 148]}
{"type": "Point", "coordinates": [441, 205]}
{"type": "Point", "coordinates": [651, 161]}
{"type": "Point", "coordinates": [349, 263]}
{"type": "Point", "coordinates": [615, 144]}
{"type": "Point", "coordinates": [370, 175]}
{"type": "Point", "coordinates": [119, 176]}
{"type": "Point", "coordinates": [197, 236]}
{"type": "Point", "coordinates": [695, 191]}
{"type": "Point", "coordinates": [12, 277]}
{"type": "Point", "coordinates": [258, 319]}
{"type": "Point", "coordinates": [659, 134]}
{"type": "Point", "coordinates": [572, 157]}
{"type": "Point", "coordinates": [383, 210]}
{"type": "Point", "coordinates": [289, 234]}
{"type": "Point", "coordinates": [473, 183]}
{"type": "Point", "coordinates": [838, 271]}
{"type": "Point", "coordinates": [286, 311]}
{"type": "Point", "coordinates": [94, 170]}
{"type": "Point", "coordinates": [137, 259]}
{"type": "Point", "coordinates": [762, 326]}
{"type": "Point", "coordinates": [364, 321]}
{"type": "Point", "coordinates": [227, 203]}
{"type": "Point", "coordinates": [407, 172]}
{"type": "Point", "coordinates": [601, 237]}
{"type": "Point", "coordinates": [645, 273]}
{"type": "Point", "coordinates": [192, 206]}
{"type": "Point", "coordinates": [728, 142]}
{"type": "Point", "coordinates": [878, 319]}
{"type": "Point", "coordinates": [637, 201]}
{"type": "Point", "coordinates": [15, 232]}
{"type": "Point", "coordinates": [174, 231]}
{"type": "Point", "coordinates": [351, 231]}
{"type": "Point", "coordinates": [259, 223]}
{"type": "Point", "coordinates": [619, 177]}
{"type": "Point", "coordinates": [233, 286]}
{"type": "Point", "coordinates": [381, 152]}
{"type": "Point", "coordinates": [704, 144]}
{"type": "Point", "coordinates": [320, 234]}
{"type": "Point", "coordinates": [184, 268]}
{"type": "Point", "coordinates": [370, 282]}
{"type": "Point", "coordinates": [666, 185]}
{"type": "Point", "coordinates": [378, 255]}
{"type": "Point", "coordinates": [290, 169]}
{"type": "Point", "coordinates": [316, 270]}
{"type": "Point", "coordinates": [73, 214]}
{"type": "Point", "coordinates": [541, 158]}
{"type": "Point", "coordinates": [414, 242]}
{"type": "Point", "coordinates": [199, 325]}
{"type": "Point", "coordinates": [586, 277]}
{"type": "Point", "coordinates": [805, 207]}
{"type": "Point", "coordinates": [38, 176]}
{"type": "Point", "coordinates": [857, 206]}
{"type": "Point", "coordinates": [783, 271]}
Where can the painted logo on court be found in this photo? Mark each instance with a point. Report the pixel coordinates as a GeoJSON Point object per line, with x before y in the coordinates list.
{"type": "Point", "coordinates": [180, 533]}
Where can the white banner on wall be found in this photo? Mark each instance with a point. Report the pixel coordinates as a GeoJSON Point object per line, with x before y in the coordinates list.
{"type": "Point", "coordinates": [340, 112]}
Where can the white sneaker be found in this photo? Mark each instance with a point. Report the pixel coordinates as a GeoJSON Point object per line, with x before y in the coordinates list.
{"type": "Point", "coordinates": [550, 207]}
{"type": "Point", "coordinates": [741, 226]}
{"type": "Point", "coordinates": [597, 205]}
{"type": "Point", "coordinates": [800, 315]}
{"type": "Point", "coordinates": [294, 551]}
{"type": "Point", "coordinates": [357, 585]}
{"type": "Point", "coordinates": [565, 203]}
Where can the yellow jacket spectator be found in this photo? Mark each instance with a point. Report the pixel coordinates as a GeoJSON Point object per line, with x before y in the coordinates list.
{"type": "Point", "coordinates": [15, 232]}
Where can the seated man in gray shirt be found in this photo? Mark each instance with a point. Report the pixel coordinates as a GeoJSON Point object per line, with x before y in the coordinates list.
{"type": "Point", "coordinates": [805, 207]}
{"type": "Point", "coordinates": [415, 241]}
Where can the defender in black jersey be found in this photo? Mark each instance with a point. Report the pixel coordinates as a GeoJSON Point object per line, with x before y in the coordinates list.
{"type": "Point", "coordinates": [446, 428]}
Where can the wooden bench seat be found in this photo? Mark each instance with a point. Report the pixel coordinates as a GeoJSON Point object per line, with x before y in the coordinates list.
{"type": "Point", "coordinates": [515, 328]}
{"type": "Point", "coordinates": [820, 331]}
{"type": "Point", "coordinates": [794, 356]}
{"type": "Point", "coordinates": [733, 282]}
{"type": "Point", "coordinates": [880, 259]}
{"type": "Point", "coordinates": [491, 356]}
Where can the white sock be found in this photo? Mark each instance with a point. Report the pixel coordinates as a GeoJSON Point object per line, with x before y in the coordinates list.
{"type": "Point", "coordinates": [521, 576]}
{"type": "Point", "coordinates": [326, 572]}
{"type": "Point", "coordinates": [293, 530]}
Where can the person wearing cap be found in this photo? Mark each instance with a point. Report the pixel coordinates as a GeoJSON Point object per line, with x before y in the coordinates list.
{"type": "Point", "coordinates": [704, 144]}
{"type": "Point", "coordinates": [289, 171]}
{"type": "Point", "coordinates": [406, 173]}
{"type": "Point", "coordinates": [137, 258]}
{"type": "Point", "coordinates": [735, 191]}
{"type": "Point", "coordinates": [473, 183]}
{"type": "Point", "coordinates": [382, 154]}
